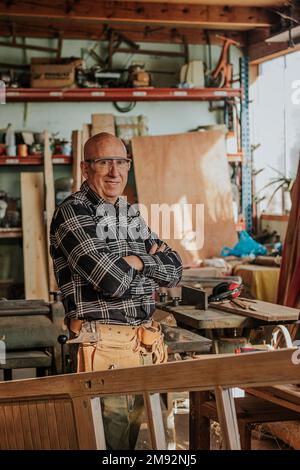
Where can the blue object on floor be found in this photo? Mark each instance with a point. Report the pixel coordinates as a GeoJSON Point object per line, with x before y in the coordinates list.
{"type": "Point", "coordinates": [245, 247]}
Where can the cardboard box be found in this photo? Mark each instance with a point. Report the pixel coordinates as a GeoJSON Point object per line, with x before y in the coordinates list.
{"type": "Point", "coordinates": [47, 73]}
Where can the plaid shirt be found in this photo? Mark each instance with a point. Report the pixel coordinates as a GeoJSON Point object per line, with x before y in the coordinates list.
{"type": "Point", "coordinates": [87, 244]}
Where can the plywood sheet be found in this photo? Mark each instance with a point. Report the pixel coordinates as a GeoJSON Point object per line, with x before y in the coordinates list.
{"type": "Point", "coordinates": [188, 169]}
{"type": "Point", "coordinates": [76, 151]}
{"type": "Point", "coordinates": [103, 123]}
{"type": "Point", "coordinates": [34, 236]}
{"type": "Point", "coordinates": [50, 205]}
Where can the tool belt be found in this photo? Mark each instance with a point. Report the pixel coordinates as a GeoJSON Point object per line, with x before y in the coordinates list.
{"type": "Point", "coordinates": [104, 346]}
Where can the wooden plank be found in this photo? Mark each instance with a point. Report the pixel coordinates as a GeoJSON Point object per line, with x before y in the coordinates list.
{"type": "Point", "coordinates": [227, 418]}
{"type": "Point", "coordinates": [70, 424]}
{"type": "Point", "coordinates": [208, 319]}
{"type": "Point", "coordinates": [61, 424]}
{"type": "Point", "coordinates": [244, 370]}
{"type": "Point", "coordinates": [84, 423]}
{"type": "Point", "coordinates": [155, 421]}
{"type": "Point", "coordinates": [18, 429]}
{"type": "Point", "coordinates": [265, 311]}
{"type": "Point", "coordinates": [43, 28]}
{"type": "Point", "coordinates": [77, 156]}
{"type": "Point", "coordinates": [4, 445]}
{"type": "Point", "coordinates": [85, 135]}
{"type": "Point", "coordinates": [215, 16]}
{"type": "Point", "coordinates": [202, 222]}
{"type": "Point", "coordinates": [287, 396]}
{"type": "Point", "coordinates": [103, 123]}
{"type": "Point", "coordinates": [98, 423]}
{"type": "Point", "coordinates": [42, 423]}
{"type": "Point", "coordinates": [199, 425]}
{"type": "Point", "coordinates": [25, 423]}
{"type": "Point", "coordinates": [10, 427]}
{"type": "Point", "coordinates": [52, 425]}
{"type": "Point", "coordinates": [34, 425]}
{"type": "Point", "coordinates": [49, 205]}
{"type": "Point", "coordinates": [34, 236]}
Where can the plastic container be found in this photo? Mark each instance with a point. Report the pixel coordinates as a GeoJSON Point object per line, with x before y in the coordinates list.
{"type": "Point", "coordinates": [10, 141]}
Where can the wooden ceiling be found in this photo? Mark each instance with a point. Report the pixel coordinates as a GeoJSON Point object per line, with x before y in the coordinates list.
{"type": "Point", "coordinates": [192, 21]}
{"type": "Point", "coordinates": [245, 3]}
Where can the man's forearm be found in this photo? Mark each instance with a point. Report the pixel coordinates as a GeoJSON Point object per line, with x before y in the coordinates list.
{"type": "Point", "coordinates": [135, 262]}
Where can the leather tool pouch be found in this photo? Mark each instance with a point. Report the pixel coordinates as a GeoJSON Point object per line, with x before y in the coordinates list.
{"type": "Point", "coordinates": [151, 341]}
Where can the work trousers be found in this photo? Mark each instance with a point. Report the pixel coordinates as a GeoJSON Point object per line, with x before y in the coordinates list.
{"type": "Point", "coordinates": [118, 346]}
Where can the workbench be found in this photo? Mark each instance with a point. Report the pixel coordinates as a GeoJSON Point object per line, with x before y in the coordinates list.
{"type": "Point", "coordinates": [215, 323]}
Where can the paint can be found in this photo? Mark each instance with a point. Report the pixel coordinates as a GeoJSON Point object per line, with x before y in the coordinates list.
{"type": "Point", "coordinates": [22, 150]}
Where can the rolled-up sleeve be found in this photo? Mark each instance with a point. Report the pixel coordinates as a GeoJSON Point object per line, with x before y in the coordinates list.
{"type": "Point", "coordinates": [164, 267]}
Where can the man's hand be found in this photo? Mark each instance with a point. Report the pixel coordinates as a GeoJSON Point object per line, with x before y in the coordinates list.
{"type": "Point", "coordinates": [135, 262]}
{"type": "Point", "coordinates": [154, 248]}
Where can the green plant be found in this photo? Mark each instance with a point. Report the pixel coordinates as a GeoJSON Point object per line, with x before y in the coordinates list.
{"type": "Point", "coordinates": [283, 182]}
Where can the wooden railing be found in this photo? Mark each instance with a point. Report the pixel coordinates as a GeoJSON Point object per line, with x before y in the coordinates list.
{"type": "Point", "coordinates": [64, 412]}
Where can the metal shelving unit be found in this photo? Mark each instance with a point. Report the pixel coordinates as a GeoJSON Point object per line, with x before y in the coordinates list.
{"type": "Point", "coordinates": [246, 146]}
{"type": "Point", "coordinates": [33, 160]}
{"type": "Point", "coordinates": [14, 95]}
{"type": "Point", "coordinates": [24, 95]}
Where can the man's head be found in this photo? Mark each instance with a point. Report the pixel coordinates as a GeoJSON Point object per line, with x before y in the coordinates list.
{"type": "Point", "coordinates": [105, 166]}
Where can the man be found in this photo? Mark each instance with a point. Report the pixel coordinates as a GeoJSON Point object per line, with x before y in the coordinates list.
{"type": "Point", "coordinates": [108, 265]}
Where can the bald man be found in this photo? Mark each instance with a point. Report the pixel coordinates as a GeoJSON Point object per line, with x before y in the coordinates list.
{"type": "Point", "coordinates": [108, 265]}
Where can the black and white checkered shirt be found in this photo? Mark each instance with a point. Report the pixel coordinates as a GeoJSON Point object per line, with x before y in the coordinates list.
{"type": "Point", "coordinates": [88, 241]}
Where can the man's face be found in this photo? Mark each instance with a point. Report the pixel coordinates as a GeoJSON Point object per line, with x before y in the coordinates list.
{"type": "Point", "coordinates": [108, 179]}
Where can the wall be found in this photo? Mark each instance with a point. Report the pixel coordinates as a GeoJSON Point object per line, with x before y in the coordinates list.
{"type": "Point", "coordinates": [275, 125]}
{"type": "Point", "coordinates": [163, 118]}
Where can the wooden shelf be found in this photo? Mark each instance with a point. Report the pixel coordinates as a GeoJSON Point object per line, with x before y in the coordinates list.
{"type": "Point", "coordinates": [235, 157]}
{"type": "Point", "coordinates": [11, 233]}
{"type": "Point", "coordinates": [14, 95]}
{"type": "Point", "coordinates": [34, 160]}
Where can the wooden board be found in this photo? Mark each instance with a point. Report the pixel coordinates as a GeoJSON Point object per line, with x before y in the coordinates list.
{"type": "Point", "coordinates": [34, 236]}
{"type": "Point", "coordinates": [266, 311]}
{"type": "Point", "coordinates": [103, 123]}
{"type": "Point", "coordinates": [85, 135]}
{"type": "Point", "coordinates": [208, 319]}
{"type": "Point", "coordinates": [76, 152]}
{"type": "Point", "coordinates": [57, 411]}
{"type": "Point", "coordinates": [283, 395]}
{"type": "Point", "coordinates": [188, 169]}
{"type": "Point", "coordinates": [50, 206]}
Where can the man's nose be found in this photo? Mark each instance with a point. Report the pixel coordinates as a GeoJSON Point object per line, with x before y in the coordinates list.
{"type": "Point", "coordinates": [113, 170]}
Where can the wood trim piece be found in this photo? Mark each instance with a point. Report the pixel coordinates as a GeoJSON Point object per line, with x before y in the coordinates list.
{"type": "Point", "coordinates": [245, 370]}
{"type": "Point", "coordinates": [227, 418]}
{"type": "Point", "coordinates": [279, 218]}
{"type": "Point", "coordinates": [34, 236]}
{"type": "Point", "coordinates": [76, 169]}
{"type": "Point", "coordinates": [155, 421]}
{"type": "Point", "coordinates": [49, 205]}
{"type": "Point", "coordinates": [146, 13]}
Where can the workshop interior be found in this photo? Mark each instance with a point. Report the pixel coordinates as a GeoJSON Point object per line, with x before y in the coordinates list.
{"type": "Point", "coordinates": [205, 97]}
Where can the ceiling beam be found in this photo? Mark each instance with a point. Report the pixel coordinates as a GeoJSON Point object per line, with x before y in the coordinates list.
{"type": "Point", "coordinates": [190, 15]}
{"type": "Point", "coordinates": [136, 33]}
{"type": "Point", "coordinates": [260, 51]}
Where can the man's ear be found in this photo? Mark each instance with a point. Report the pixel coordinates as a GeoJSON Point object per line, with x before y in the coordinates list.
{"type": "Point", "coordinates": [84, 170]}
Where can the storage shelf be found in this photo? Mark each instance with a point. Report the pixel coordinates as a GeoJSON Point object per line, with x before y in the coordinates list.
{"type": "Point", "coordinates": [11, 233]}
{"type": "Point", "coordinates": [235, 157]}
{"type": "Point", "coordinates": [14, 95]}
{"type": "Point", "coordinates": [33, 160]}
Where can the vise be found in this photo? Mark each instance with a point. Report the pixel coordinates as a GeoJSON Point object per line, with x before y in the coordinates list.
{"type": "Point", "coordinates": [29, 331]}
